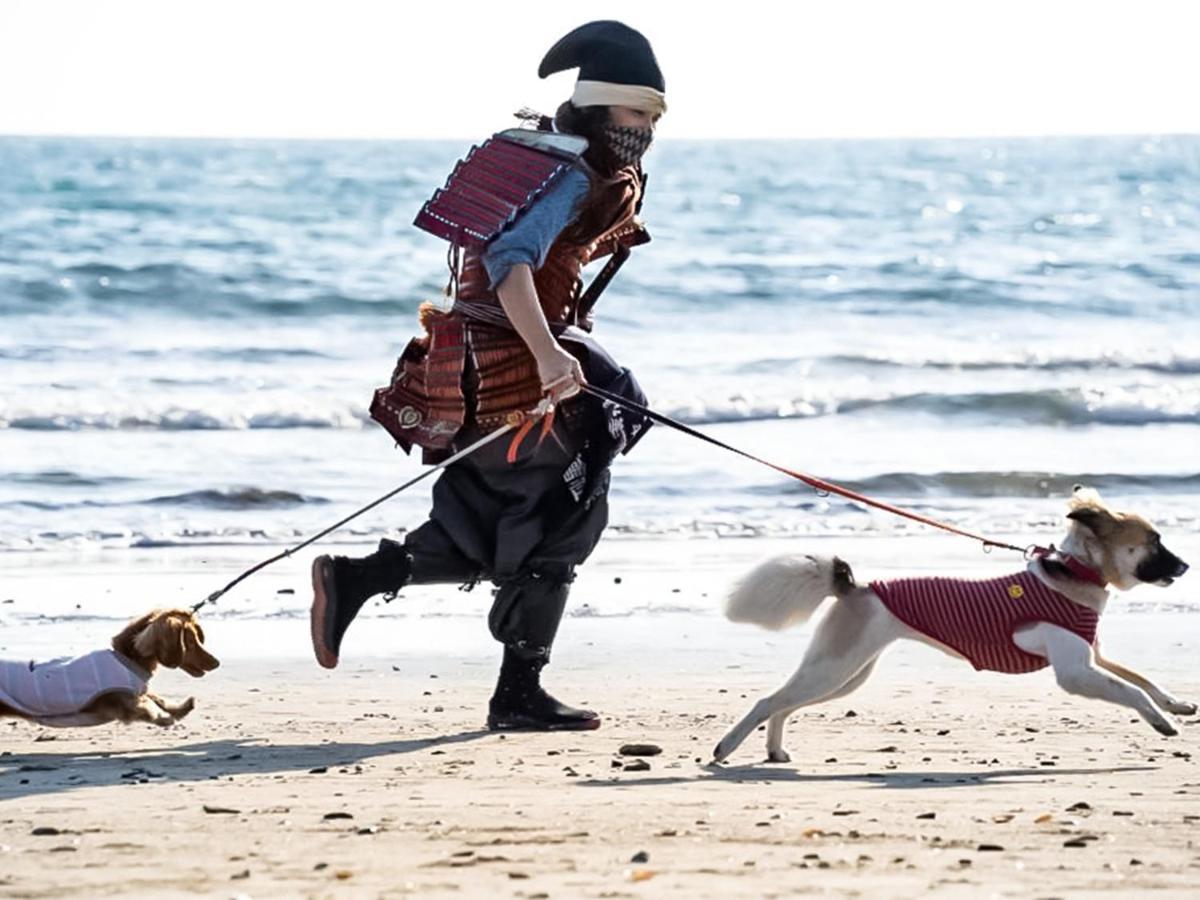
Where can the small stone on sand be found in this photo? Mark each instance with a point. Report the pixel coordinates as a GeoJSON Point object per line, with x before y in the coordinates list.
{"type": "Point", "coordinates": [640, 750]}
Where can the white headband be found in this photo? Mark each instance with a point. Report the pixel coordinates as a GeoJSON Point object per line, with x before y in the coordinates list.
{"type": "Point", "coordinates": [607, 93]}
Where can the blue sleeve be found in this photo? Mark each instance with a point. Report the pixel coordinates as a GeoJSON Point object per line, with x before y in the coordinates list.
{"type": "Point", "coordinates": [530, 238]}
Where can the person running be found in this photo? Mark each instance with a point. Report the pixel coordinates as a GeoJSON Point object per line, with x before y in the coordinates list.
{"type": "Point", "coordinates": [523, 515]}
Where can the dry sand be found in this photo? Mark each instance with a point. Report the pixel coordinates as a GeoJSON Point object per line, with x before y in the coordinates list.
{"type": "Point", "coordinates": [377, 780]}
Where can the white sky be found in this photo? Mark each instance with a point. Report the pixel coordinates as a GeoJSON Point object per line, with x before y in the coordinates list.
{"type": "Point", "coordinates": [735, 68]}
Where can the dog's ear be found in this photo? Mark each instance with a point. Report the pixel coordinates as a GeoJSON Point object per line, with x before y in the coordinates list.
{"type": "Point", "coordinates": [1095, 518]}
{"type": "Point", "coordinates": [168, 645]}
{"type": "Point", "coordinates": [126, 642]}
{"type": "Point", "coordinates": [1089, 510]}
{"type": "Point", "coordinates": [196, 660]}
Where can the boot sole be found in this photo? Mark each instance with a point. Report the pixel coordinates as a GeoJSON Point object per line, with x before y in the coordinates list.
{"type": "Point", "coordinates": [497, 724]}
{"type": "Point", "coordinates": [319, 616]}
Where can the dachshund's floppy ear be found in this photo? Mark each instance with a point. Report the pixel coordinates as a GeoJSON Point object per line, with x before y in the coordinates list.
{"type": "Point", "coordinates": [127, 642]}
{"type": "Point", "coordinates": [168, 643]}
{"type": "Point", "coordinates": [196, 660]}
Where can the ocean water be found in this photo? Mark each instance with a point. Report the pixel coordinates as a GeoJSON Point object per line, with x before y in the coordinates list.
{"type": "Point", "coordinates": [190, 333]}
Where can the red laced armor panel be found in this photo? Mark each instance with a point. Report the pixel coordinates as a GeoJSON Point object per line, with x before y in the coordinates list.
{"type": "Point", "coordinates": [426, 404]}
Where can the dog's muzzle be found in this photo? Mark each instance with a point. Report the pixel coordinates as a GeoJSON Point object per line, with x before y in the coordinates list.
{"type": "Point", "coordinates": [1162, 568]}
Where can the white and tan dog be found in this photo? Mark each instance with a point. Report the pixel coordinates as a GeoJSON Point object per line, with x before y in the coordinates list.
{"type": "Point", "coordinates": [1045, 615]}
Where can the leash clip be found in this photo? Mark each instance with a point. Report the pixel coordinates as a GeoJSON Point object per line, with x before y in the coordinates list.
{"type": "Point", "coordinates": [211, 598]}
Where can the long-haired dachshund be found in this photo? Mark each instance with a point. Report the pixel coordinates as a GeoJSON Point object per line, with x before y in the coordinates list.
{"type": "Point", "coordinates": [110, 685]}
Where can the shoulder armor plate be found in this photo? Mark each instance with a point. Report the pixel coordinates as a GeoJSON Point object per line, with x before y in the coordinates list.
{"type": "Point", "coordinates": [497, 181]}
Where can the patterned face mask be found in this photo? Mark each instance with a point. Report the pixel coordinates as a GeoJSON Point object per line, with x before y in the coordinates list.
{"type": "Point", "coordinates": [628, 143]}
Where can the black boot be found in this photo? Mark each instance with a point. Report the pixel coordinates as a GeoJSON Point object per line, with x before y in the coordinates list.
{"type": "Point", "coordinates": [522, 704]}
{"type": "Point", "coordinates": [341, 585]}
{"type": "Point", "coordinates": [524, 617]}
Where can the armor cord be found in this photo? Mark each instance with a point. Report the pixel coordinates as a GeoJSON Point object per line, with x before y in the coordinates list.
{"type": "Point", "coordinates": [454, 263]}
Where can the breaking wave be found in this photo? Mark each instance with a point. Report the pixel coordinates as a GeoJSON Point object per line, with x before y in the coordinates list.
{"type": "Point", "coordinates": [1050, 406]}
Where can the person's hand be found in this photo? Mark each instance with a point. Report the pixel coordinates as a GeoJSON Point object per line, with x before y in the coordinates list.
{"type": "Point", "coordinates": [560, 373]}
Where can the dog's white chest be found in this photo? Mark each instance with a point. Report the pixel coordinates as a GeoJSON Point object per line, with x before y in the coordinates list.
{"type": "Point", "coordinates": [58, 689]}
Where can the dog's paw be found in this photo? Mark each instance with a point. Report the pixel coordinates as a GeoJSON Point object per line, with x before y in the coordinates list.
{"type": "Point", "coordinates": [1181, 708]}
{"type": "Point", "coordinates": [1165, 728]}
{"type": "Point", "coordinates": [778, 756]}
{"type": "Point", "coordinates": [720, 753]}
{"type": "Point", "coordinates": [185, 707]}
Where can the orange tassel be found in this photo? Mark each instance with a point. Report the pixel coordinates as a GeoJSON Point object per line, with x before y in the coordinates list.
{"type": "Point", "coordinates": [515, 444]}
{"type": "Point", "coordinates": [523, 432]}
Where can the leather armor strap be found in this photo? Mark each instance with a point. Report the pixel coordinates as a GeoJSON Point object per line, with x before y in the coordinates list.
{"type": "Point", "coordinates": [583, 308]}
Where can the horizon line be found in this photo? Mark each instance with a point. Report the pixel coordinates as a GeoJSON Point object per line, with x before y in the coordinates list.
{"type": "Point", "coordinates": [266, 138]}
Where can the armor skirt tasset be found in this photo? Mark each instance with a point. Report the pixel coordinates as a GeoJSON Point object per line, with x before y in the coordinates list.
{"type": "Point", "coordinates": [526, 524]}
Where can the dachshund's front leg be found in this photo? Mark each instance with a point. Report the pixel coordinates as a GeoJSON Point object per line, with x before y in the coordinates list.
{"type": "Point", "coordinates": [177, 711]}
{"type": "Point", "coordinates": [142, 709]}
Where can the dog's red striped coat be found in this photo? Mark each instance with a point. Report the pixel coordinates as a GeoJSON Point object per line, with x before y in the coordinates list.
{"type": "Point", "coordinates": [977, 618]}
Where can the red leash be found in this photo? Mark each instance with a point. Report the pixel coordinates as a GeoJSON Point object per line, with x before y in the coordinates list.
{"type": "Point", "coordinates": [819, 484]}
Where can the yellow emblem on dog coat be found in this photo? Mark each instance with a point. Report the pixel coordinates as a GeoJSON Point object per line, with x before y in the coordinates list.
{"type": "Point", "coordinates": [1016, 591]}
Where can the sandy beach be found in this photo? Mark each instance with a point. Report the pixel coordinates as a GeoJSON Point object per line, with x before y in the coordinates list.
{"type": "Point", "coordinates": [960, 289]}
{"type": "Point", "coordinates": [378, 780]}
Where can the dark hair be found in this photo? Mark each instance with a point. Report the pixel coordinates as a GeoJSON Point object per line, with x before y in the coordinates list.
{"type": "Point", "coordinates": [585, 121]}
{"type": "Point", "coordinates": [589, 122]}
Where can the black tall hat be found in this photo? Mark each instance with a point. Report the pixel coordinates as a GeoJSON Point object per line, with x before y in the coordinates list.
{"type": "Point", "coordinates": [616, 67]}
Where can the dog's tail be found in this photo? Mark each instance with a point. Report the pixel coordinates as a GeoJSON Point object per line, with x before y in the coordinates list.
{"type": "Point", "coordinates": [787, 590]}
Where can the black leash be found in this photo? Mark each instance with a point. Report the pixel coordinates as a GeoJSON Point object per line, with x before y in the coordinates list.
{"type": "Point", "coordinates": [216, 595]}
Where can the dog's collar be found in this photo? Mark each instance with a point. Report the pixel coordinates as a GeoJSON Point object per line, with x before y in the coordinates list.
{"type": "Point", "coordinates": [1072, 565]}
{"type": "Point", "coordinates": [1079, 570]}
